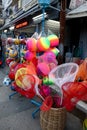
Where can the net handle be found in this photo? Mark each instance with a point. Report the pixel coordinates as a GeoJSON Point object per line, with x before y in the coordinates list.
{"type": "Point", "coordinates": [36, 87]}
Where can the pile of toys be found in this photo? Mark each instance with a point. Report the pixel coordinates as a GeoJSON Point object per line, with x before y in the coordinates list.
{"type": "Point", "coordinates": [34, 70]}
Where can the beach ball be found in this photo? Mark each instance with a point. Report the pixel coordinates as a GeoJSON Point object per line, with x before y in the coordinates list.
{"type": "Point", "coordinates": [54, 40]}
{"type": "Point", "coordinates": [29, 55]}
{"type": "Point", "coordinates": [43, 44]}
{"type": "Point", "coordinates": [31, 44]}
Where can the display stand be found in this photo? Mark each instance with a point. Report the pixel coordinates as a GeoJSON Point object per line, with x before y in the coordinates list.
{"type": "Point", "coordinates": [43, 4]}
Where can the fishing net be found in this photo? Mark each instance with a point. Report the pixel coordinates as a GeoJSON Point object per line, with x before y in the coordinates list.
{"type": "Point", "coordinates": [73, 92]}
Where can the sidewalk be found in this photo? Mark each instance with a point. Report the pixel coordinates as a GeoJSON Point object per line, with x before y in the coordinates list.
{"type": "Point", "coordinates": [16, 113]}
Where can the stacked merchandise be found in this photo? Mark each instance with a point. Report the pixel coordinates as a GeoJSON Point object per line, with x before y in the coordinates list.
{"type": "Point", "coordinates": [34, 70]}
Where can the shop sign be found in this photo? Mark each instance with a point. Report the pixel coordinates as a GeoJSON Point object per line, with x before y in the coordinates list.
{"type": "Point", "coordinates": [20, 25]}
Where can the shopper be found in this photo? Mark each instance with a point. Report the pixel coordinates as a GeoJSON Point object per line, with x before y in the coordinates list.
{"type": "Point", "coordinates": [3, 40]}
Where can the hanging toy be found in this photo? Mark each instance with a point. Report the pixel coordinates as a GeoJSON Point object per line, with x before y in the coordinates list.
{"type": "Point", "coordinates": [13, 53]}
{"type": "Point", "coordinates": [17, 41]}
{"type": "Point", "coordinates": [47, 81]}
{"type": "Point", "coordinates": [31, 44]}
{"type": "Point", "coordinates": [54, 50]}
{"type": "Point", "coordinates": [54, 40]}
{"type": "Point", "coordinates": [9, 40]}
{"type": "Point", "coordinates": [23, 41]}
{"type": "Point", "coordinates": [29, 55]}
{"type": "Point", "coordinates": [43, 69]}
{"type": "Point", "coordinates": [43, 44]}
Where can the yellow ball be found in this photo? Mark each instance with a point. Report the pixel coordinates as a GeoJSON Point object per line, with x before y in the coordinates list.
{"type": "Point", "coordinates": [17, 41]}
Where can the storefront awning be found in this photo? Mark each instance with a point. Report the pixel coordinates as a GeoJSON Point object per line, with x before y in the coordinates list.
{"type": "Point", "coordinates": [23, 15]}
{"type": "Point", "coordinates": [81, 11]}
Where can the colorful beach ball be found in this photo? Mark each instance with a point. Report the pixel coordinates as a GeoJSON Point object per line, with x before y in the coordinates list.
{"type": "Point", "coordinates": [43, 44]}
{"type": "Point", "coordinates": [31, 44]}
{"type": "Point", "coordinates": [54, 40]}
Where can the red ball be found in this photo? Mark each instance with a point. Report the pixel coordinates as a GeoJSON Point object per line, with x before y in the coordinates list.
{"type": "Point", "coordinates": [11, 75]}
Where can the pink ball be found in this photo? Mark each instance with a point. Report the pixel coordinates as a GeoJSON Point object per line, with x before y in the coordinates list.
{"type": "Point", "coordinates": [43, 44]}
{"type": "Point", "coordinates": [54, 40]}
{"type": "Point", "coordinates": [31, 44]}
{"type": "Point", "coordinates": [29, 55]}
{"type": "Point", "coordinates": [43, 68]}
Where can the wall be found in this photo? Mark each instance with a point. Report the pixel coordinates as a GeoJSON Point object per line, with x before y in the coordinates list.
{"type": "Point", "coordinates": [83, 38]}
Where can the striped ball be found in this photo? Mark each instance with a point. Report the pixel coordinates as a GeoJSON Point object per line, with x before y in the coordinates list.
{"type": "Point", "coordinates": [43, 44]}
{"type": "Point", "coordinates": [54, 40]}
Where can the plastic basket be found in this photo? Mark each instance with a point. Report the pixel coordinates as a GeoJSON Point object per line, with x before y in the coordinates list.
{"type": "Point", "coordinates": [44, 2]}
{"type": "Point", "coordinates": [54, 119]}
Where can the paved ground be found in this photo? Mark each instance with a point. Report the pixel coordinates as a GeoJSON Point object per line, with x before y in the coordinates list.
{"type": "Point", "coordinates": [16, 114]}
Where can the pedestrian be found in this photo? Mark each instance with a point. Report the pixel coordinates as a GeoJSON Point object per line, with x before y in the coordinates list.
{"type": "Point", "coordinates": [3, 40]}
